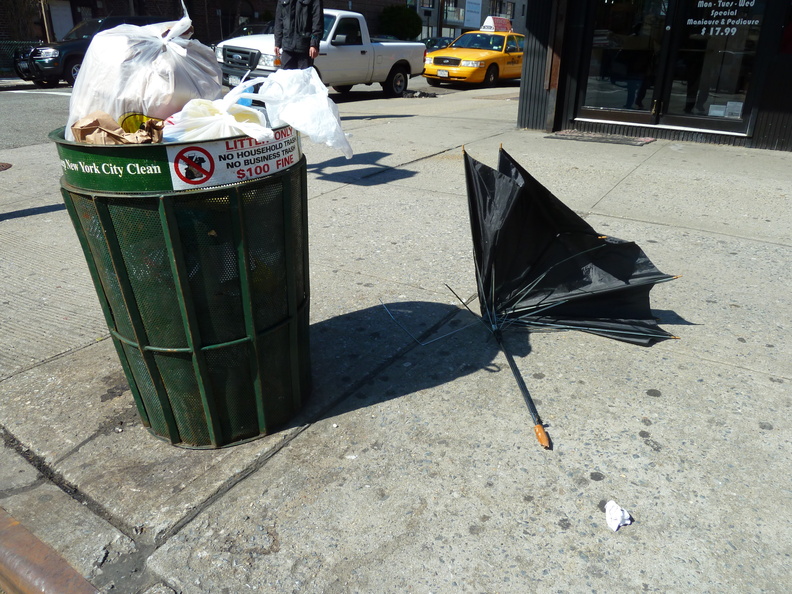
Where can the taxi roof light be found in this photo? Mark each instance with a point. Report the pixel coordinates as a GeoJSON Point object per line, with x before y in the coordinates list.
{"type": "Point", "coordinates": [492, 23]}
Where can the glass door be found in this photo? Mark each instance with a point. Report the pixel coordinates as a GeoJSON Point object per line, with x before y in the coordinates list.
{"type": "Point", "coordinates": [681, 63]}
{"type": "Point", "coordinates": [712, 60]}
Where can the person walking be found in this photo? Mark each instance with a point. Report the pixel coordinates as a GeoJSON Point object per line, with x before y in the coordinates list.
{"type": "Point", "coordinates": [299, 27]}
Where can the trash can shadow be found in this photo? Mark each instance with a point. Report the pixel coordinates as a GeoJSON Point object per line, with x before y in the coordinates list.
{"type": "Point", "coordinates": [203, 283]}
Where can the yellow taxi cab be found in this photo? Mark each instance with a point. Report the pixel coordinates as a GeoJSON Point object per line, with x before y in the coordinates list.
{"type": "Point", "coordinates": [486, 56]}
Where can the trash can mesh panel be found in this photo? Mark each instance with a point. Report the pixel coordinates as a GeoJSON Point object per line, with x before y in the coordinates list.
{"type": "Point", "coordinates": [167, 268]}
{"type": "Point", "coordinates": [206, 233]}
{"type": "Point", "coordinates": [264, 228]}
{"type": "Point", "coordinates": [276, 376]}
{"type": "Point", "coordinates": [178, 376]}
{"type": "Point", "coordinates": [92, 231]}
{"type": "Point", "coordinates": [136, 222]}
{"type": "Point", "coordinates": [146, 389]}
{"type": "Point", "coordinates": [231, 377]}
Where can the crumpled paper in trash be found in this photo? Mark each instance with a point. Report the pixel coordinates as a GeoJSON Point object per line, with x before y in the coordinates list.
{"type": "Point", "coordinates": [616, 516]}
{"type": "Point", "coordinates": [100, 128]}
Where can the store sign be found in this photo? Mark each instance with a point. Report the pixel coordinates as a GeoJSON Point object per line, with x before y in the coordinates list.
{"type": "Point", "coordinates": [724, 17]}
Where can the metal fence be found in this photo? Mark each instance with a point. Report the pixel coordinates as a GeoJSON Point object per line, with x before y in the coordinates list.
{"type": "Point", "coordinates": [7, 49]}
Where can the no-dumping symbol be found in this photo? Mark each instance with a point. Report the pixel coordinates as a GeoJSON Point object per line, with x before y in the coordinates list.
{"type": "Point", "coordinates": [194, 165]}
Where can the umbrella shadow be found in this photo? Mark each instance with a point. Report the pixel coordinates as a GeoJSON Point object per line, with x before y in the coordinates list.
{"type": "Point", "coordinates": [363, 169]}
{"type": "Point", "coordinates": [363, 358]}
{"type": "Point", "coordinates": [671, 318]}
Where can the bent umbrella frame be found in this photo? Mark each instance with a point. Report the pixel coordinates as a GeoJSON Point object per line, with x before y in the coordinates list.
{"type": "Point", "coordinates": [541, 266]}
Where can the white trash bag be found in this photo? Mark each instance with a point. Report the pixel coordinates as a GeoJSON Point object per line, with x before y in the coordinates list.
{"type": "Point", "coordinates": [300, 99]}
{"type": "Point", "coordinates": [202, 119]}
{"type": "Point", "coordinates": [139, 73]}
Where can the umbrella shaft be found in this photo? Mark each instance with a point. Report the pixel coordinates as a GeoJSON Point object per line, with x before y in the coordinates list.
{"type": "Point", "coordinates": [521, 383]}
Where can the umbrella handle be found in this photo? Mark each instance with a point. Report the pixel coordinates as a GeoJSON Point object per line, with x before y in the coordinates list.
{"type": "Point", "coordinates": [542, 437]}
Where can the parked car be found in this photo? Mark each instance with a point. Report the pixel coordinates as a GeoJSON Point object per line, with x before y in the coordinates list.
{"type": "Point", "coordinates": [436, 43]}
{"type": "Point", "coordinates": [49, 63]}
{"type": "Point", "coordinates": [347, 56]}
{"type": "Point", "coordinates": [485, 56]}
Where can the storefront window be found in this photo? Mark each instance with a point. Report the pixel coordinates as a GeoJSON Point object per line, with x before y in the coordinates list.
{"type": "Point", "coordinates": [653, 59]}
{"type": "Point", "coordinates": [716, 57]}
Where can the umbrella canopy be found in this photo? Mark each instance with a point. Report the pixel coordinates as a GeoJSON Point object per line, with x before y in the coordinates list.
{"type": "Point", "coordinates": [539, 264]}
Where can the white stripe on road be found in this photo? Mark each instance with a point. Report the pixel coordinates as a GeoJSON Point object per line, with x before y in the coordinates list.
{"type": "Point", "coordinates": [63, 93]}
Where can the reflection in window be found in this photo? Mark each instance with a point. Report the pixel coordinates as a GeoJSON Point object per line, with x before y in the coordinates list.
{"type": "Point", "coordinates": [502, 8]}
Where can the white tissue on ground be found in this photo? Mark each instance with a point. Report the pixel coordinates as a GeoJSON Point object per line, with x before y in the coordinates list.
{"type": "Point", "coordinates": [616, 516]}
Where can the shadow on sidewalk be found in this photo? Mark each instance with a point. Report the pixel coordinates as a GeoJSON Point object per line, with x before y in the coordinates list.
{"type": "Point", "coordinates": [360, 170]}
{"type": "Point", "coordinates": [29, 212]}
{"type": "Point", "coordinates": [364, 358]}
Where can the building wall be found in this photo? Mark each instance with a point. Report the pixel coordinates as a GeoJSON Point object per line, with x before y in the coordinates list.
{"type": "Point", "coordinates": [212, 19]}
{"type": "Point", "coordinates": [548, 98]}
{"type": "Point", "coordinates": [456, 12]}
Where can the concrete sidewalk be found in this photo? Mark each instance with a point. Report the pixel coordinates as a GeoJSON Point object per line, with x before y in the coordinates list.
{"type": "Point", "coordinates": [415, 469]}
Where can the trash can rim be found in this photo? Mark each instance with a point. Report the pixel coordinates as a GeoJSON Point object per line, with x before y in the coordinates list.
{"type": "Point", "coordinates": [59, 136]}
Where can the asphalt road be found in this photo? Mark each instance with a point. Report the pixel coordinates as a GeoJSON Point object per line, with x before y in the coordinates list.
{"type": "Point", "coordinates": [28, 114]}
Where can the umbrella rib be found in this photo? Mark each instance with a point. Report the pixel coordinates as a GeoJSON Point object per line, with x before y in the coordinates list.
{"type": "Point", "coordinates": [590, 329]}
{"type": "Point", "coordinates": [583, 292]}
{"type": "Point", "coordinates": [467, 308]}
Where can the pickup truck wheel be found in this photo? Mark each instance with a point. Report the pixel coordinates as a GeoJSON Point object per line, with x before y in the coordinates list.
{"type": "Point", "coordinates": [491, 77]}
{"type": "Point", "coordinates": [72, 70]}
{"type": "Point", "coordinates": [433, 82]}
{"type": "Point", "coordinates": [396, 83]}
{"type": "Point", "coordinates": [46, 83]}
{"type": "Point", "coordinates": [343, 89]}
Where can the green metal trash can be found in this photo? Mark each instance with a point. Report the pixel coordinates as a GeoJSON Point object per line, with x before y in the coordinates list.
{"type": "Point", "coordinates": [199, 256]}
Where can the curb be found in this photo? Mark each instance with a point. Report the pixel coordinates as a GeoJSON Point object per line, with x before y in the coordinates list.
{"type": "Point", "coordinates": [28, 565]}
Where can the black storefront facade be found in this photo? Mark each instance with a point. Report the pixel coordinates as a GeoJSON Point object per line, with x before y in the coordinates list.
{"type": "Point", "coordinates": [717, 71]}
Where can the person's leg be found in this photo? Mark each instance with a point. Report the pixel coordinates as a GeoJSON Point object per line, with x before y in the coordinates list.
{"type": "Point", "coordinates": [295, 60]}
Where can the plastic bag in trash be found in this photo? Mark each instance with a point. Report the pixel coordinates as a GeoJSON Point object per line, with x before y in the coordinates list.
{"type": "Point", "coordinates": [300, 99]}
{"type": "Point", "coordinates": [139, 73]}
{"type": "Point", "coordinates": [201, 119]}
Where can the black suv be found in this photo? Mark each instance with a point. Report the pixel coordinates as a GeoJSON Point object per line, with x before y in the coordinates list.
{"type": "Point", "coordinates": [47, 64]}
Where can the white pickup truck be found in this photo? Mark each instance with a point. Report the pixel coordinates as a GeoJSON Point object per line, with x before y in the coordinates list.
{"type": "Point", "coordinates": [347, 56]}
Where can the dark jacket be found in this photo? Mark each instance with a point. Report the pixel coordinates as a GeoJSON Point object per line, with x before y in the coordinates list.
{"type": "Point", "coordinates": [299, 25]}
